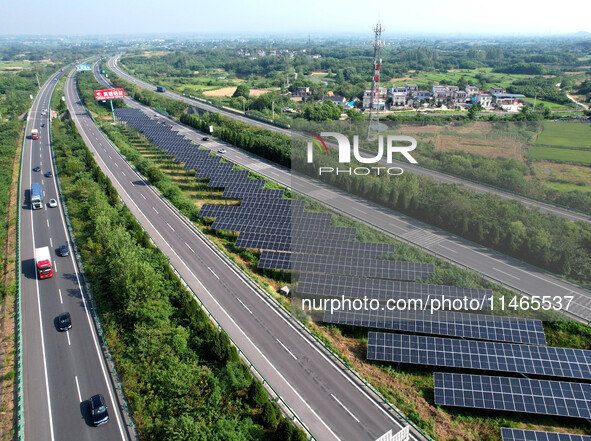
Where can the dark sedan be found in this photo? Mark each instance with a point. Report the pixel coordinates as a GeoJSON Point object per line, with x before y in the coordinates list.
{"type": "Point", "coordinates": [64, 321]}
{"type": "Point", "coordinates": [64, 250]}
{"type": "Point", "coordinates": [98, 410]}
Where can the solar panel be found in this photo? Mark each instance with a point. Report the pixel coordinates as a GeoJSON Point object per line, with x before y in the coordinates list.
{"type": "Point", "coordinates": [457, 324]}
{"type": "Point", "coordinates": [532, 435]}
{"type": "Point", "coordinates": [263, 193]}
{"type": "Point", "coordinates": [248, 224]}
{"type": "Point", "coordinates": [383, 289]}
{"type": "Point", "coordinates": [513, 394]}
{"type": "Point", "coordinates": [333, 234]}
{"type": "Point", "coordinates": [505, 357]}
{"type": "Point", "coordinates": [311, 263]}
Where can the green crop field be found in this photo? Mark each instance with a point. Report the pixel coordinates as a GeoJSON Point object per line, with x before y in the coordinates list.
{"type": "Point", "coordinates": [565, 134]}
{"type": "Point", "coordinates": [548, 104]}
{"type": "Point", "coordinates": [560, 155]}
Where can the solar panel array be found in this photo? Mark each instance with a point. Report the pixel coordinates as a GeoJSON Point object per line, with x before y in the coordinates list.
{"type": "Point", "coordinates": [534, 435]}
{"type": "Point", "coordinates": [383, 289]}
{"type": "Point", "coordinates": [513, 394]}
{"type": "Point", "coordinates": [353, 266]}
{"type": "Point", "coordinates": [450, 323]}
{"type": "Point", "coordinates": [434, 351]}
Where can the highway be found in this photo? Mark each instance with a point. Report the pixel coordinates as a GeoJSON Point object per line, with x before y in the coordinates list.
{"type": "Point", "coordinates": [61, 370]}
{"type": "Point", "coordinates": [496, 266]}
{"type": "Point", "coordinates": [438, 176]}
{"type": "Point", "coordinates": [323, 394]}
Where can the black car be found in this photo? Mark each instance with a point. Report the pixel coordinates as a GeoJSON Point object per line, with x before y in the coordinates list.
{"type": "Point", "coordinates": [98, 410]}
{"type": "Point", "coordinates": [64, 250]}
{"type": "Point", "coordinates": [205, 138]}
{"type": "Point", "coordinates": [64, 321]}
{"type": "Point", "coordinates": [37, 169]}
{"type": "Point", "coordinates": [48, 174]}
{"type": "Point", "coordinates": [42, 124]}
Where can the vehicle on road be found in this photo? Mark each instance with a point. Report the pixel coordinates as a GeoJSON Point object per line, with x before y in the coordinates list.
{"type": "Point", "coordinates": [205, 138]}
{"type": "Point", "coordinates": [98, 410]}
{"type": "Point", "coordinates": [52, 203]}
{"type": "Point", "coordinates": [160, 89]}
{"type": "Point", "coordinates": [64, 250]}
{"type": "Point", "coordinates": [37, 169]}
{"type": "Point", "coordinates": [64, 321]}
{"type": "Point", "coordinates": [36, 196]}
{"type": "Point", "coordinates": [222, 151]}
{"type": "Point", "coordinates": [42, 124]}
{"type": "Point", "coordinates": [34, 134]}
{"type": "Point", "coordinates": [43, 262]}
{"type": "Point", "coordinates": [48, 174]}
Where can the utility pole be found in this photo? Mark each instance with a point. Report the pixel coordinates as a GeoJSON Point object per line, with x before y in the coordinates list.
{"type": "Point", "coordinates": [374, 117]}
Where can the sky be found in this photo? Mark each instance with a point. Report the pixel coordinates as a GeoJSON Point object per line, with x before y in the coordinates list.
{"type": "Point", "coordinates": [224, 17]}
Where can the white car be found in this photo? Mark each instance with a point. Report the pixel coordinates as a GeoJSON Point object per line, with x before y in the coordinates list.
{"type": "Point", "coordinates": [52, 203]}
{"type": "Point", "coordinates": [222, 151]}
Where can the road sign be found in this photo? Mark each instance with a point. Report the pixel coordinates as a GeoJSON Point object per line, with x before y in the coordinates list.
{"type": "Point", "coordinates": [83, 67]}
{"type": "Point", "coordinates": [108, 94]}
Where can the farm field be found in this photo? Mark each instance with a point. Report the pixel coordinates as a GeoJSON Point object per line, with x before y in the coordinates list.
{"type": "Point", "coordinates": [565, 134]}
{"type": "Point", "coordinates": [547, 104]}
{"type": "Point", "coordinates": [578, 175]}
{"type": "Point", "coordinates": [560, 155]}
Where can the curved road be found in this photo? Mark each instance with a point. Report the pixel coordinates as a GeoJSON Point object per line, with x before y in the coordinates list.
{"type": "Point", "coordinates": [438, 176]}
{"type": "Point", "coordinates": [61, 370]}
{"type": "Point", "coordinates": [323, 394]}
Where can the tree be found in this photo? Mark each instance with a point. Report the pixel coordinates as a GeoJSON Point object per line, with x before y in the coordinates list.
{"type": "Point", "coordinates": [241, 90]}
{"type": "Point", "coordinates": [474, 110]}
{"type": "Point", "coordinates": [284, 430]}
{"type": "Point", "coordinates": [257, 394]}
{"type": "Point", "coordinates": [270, 414]}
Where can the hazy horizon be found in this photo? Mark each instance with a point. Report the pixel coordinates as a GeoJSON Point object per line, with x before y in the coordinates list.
{"type": "Point", "coordinates": [459, 18]}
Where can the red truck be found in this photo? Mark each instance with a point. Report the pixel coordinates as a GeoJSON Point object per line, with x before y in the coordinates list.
{"type": "Point", "coordinates": [43, 262]}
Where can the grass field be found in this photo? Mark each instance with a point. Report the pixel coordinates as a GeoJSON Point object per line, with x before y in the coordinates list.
{"type": "Point", "coordinates": [565, 134]}
{"type": "Point", "coordinates": [560, 155]}
{"type": "Point", "coordinates": [548, 104]}
{"type": "Point", "coordinates": [567, 187]}
{"type": "Point", "coordinates": [577, 175]}
{"type": "Point", "coordinates": [14, 65]}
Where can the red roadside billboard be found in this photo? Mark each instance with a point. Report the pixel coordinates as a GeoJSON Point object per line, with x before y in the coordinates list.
{"type": "Point", "coordinates": [108, 94]}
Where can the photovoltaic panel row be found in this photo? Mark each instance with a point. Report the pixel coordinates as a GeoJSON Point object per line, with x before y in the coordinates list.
{"type": "Point", "coordinates": [251, 225]}
{"type": "Point", "coordinates": [263, 193]}
{"type": "Point", "coordinates": [236, 179]}
{"type": "Point", "coordinates": [383, 289]}
{"type": "Point", "coordinates": [313, 263]}
{"type": "Point", "coordinates": [504, 357]}
{"type": "Point", "coordinates": [273, 242]}
{"type": "Point", "coordinates": [533, 435]}
{"type": "Point", "coordinates": [286, 217]}
{"type": "Point", "coordinates": [456, 324]}
{"type": "Point", "coordinates": [215, 210]}
{"type": "Point", "coordinates": [513, 394]}
{"type": "Point", "coordinates": [332, 234]}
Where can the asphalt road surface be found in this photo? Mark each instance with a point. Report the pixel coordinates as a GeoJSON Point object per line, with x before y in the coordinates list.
{"type": "Point", "coordinates": [322, 393]}
{"type": "Point", "coordinates": [61, 370]}
{"type": "Point", "coordinates": [496, 266]}
{"type": "Point", "coordinates": [438, 176]}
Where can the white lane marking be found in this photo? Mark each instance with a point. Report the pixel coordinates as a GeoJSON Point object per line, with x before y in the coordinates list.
{"type": "Point", "coordinates": [216, 276]}
{"type": "Point", "coordinates": [54, 266]}
{"type": "Point", "coordinates": [245, 307]}
{"type": "Point", "coordinates": [169, 226]}
{"type": "Point", "coordinates": [110, 157]}
{"type": "Point", "coordinates": [188, 246]}
{"type": "Point", "coordinates": [288, 351]}
{"type": "Point", "coordinates": [396, 226]}
{"type": "Point", "coordinates": [78, 389]}
{"type": "Point", "coordinates": [142, 196]}
{"type": "Point", "coordinates": [42, 184]}
{"type": "Point", "coordinates": [155, 210]}
{"type": "Point", "coordinates": [116, 165]}
{"type": "Point", "coordinates": [343, 406]}
{"type": "Point", "coordinates": [50, 242]}
{"type": "Point", "coordinates": [357, 209]}
{"type": "Point", "coordinates": [60, 293]}
{"type": "Point", "coordinates": [446, 248]}
{"type": "Point", "coordinates": [47, 223]}
{"type": "Point", "coordinates": [123, 173]}
{"type": "Point", "coordinates": [507, 274]}
{"type": "Point", "coordinates": [69, 342]}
